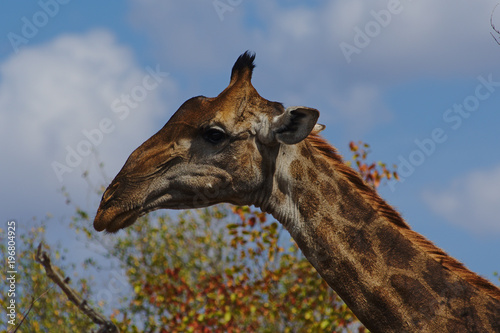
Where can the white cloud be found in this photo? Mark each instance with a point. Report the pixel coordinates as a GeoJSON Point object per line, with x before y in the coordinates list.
{"type": "Point", "coordinates": [472, 202]}
{"type": "Point", "coordinates": [191, 34]}
{"type": "Point", "coordinates": [50, 94]}
{"type": "Point", "coordinates": [298, 46]}
{"type": "Point", "coordinates": [360, 108]}
{"type": "Point", "coordinates": [298, 23]}
{"type": "Point", "coordinates": [418, 38]}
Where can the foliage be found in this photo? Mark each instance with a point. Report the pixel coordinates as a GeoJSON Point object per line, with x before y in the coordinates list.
{"type": "Point", "coordinates": [187, 279]}
{"type": "Point", "coordinates": [374, 172]}
{"type": "Point", "coordinates": [49, 309]}
{"type": "Point", "coordinates": [219, 269]}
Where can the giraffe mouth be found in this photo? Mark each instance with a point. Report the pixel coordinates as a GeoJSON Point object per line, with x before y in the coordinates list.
{"type": "Point", "coordinates": [115, 218]}
{"type": "Point", "coordinates": [112, 218]}
{"type": "Point", "coordinates": [124, 202]}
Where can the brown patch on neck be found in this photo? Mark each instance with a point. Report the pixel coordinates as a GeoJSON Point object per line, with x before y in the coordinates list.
{"type": "Point", "coordinates": [393, 217]}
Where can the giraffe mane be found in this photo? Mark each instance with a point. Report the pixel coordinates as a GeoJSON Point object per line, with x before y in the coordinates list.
{"type": "Point", "coordinates": [391, 215]}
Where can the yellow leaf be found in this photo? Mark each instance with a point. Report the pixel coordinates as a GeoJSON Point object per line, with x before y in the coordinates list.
{"type": "Point", "coordinates": [324, 324]}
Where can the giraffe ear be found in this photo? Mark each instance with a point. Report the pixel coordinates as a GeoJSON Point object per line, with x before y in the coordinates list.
{"type": "Point", "coordinates": [295, 124]}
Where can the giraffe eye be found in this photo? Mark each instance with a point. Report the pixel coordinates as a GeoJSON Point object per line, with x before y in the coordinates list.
{"type": "Point", "coordinates": [214, 135]}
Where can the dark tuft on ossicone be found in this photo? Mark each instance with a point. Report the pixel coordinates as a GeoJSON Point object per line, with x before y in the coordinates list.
{"type": "Point", "coordinates": [245, 61]}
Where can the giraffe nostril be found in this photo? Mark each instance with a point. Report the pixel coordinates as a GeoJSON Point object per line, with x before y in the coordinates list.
{"type": "Point", "coordinates": [110, 191]}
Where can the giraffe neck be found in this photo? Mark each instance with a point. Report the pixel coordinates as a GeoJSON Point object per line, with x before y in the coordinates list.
{"type": "Point", "coordinates": [386, 277]}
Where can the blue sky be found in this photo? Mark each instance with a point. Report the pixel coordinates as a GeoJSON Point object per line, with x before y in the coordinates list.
{"type": "Point", "coordinates": [391, 73]}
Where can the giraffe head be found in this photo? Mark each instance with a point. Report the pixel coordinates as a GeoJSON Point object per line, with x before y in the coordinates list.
{"type": "Point", "coordinates": [212, 150]}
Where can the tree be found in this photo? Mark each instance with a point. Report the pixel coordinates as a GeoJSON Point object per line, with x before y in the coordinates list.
{"type": "Point", "coordinates": [223, 268]}
{"type": "Point", "coordinates": [41, 307]}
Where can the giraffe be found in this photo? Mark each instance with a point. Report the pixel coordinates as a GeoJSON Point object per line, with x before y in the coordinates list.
{"type": "Point", "coordinates": [242, 149]}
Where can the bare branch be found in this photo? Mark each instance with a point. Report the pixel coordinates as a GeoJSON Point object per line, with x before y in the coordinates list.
{"type": "Point", "coordinates": [33, 301]}
{"type": "Point", "coordinates": [106, 326]}
{"type": "Point", "coordinates": [493, 25]}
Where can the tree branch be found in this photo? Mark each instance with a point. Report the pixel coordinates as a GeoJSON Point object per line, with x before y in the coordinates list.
{"type": "Point", "coordinates": [106, 326]}
{"type": "Point", "coordinates": [33, 300]}
{"type": "Point", "coordinates": [493, 25]}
